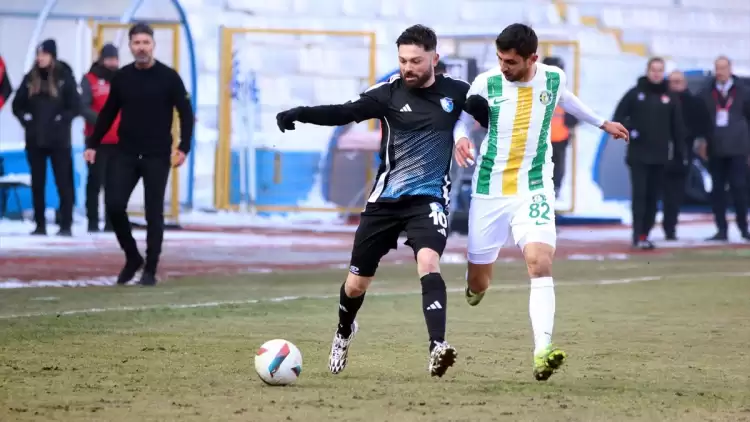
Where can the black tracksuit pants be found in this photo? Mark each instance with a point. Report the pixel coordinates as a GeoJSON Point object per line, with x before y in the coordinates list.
{"type": "Point", "coordinates": [62, 168]}
{"type": "Point", "coordinates": [125, 172]}
{"type": "Point", "coordinates": [95, 182]}
{"type": "Point", "coordinates": [732, 171]}
{"type": "Point", "coordinates": [674, 196]}
{"type": "Point", "coordinates": [559, 151]}
{"type": "Point", "coordinates": [646, 186]}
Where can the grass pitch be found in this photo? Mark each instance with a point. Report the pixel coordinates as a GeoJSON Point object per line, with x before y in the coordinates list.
{"type": "Point", "coordinates": [660, 340]}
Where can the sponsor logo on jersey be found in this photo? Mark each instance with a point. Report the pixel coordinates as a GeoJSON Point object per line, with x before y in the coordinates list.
{"type": "Point", "coordinates": [539, 198]}
{"type": "Point", "coordinates": [447, 104]}
{"type": "Point", "coordinates": [496, 101]}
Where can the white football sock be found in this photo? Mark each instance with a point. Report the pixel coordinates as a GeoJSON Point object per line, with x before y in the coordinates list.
{"type": "Point", "coordinates": [542, 311]}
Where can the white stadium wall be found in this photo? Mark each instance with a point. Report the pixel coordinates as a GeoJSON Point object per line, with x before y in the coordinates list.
{"type": "Point", "coordinates": [615, 39]}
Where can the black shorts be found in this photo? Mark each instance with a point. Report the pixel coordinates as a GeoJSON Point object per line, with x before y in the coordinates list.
{"type": "Point", "coordinates": [425, 224]}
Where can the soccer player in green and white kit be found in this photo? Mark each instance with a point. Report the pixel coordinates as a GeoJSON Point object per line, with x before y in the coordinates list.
{"type": "Point", "coordinates": [512, 189]}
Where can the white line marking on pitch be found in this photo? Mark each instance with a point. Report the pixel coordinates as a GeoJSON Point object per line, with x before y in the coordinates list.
{"type": "Point", "coordinates": [216, 304]}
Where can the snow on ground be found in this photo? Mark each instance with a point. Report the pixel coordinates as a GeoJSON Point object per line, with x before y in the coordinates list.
{"type": "Point", "coordinates": [332, 223]}
{"type": "Point", "coordinates": [270, 232]}
{"type": "Point", "coordinates": [264, 246]}
{"type": "Point", "coordinates": [690, 233]}
{"type": "Point", "coordinates": [14, 236]}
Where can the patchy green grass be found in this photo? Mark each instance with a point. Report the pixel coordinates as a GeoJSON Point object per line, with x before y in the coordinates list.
{"type": "Point", "coordinates": [669, 345]}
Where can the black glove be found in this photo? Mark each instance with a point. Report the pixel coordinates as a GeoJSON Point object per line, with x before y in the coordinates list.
{"type": "Point", "coordinates": [285, 120]}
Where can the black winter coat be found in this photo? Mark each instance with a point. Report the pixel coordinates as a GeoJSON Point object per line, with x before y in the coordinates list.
{"type": "Point", "coordinates": [653, 116]}
{"type": "Point", "coordinates": [732, 140]}
{"type": "Point", "coordinates": [45, 117]}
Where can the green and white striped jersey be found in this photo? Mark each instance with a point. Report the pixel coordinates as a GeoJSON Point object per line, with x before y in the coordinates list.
{"type": "Point", "coordinates": [516, 155]}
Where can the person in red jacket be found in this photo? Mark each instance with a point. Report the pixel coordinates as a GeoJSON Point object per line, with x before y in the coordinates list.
{"type": "Point", "coordinates": [5, 88]}
{"type": "Point", "coordinates": [94, 93]}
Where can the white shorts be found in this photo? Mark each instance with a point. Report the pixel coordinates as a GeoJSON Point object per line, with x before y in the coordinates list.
{"type": "Point", "coordinates": [530, 218]}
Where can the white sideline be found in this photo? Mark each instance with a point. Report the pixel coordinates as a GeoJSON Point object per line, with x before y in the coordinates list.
{"type": "Point", "coordinates": [216, 304]}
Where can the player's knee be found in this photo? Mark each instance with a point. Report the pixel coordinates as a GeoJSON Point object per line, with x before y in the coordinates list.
{"type": "Point", "coordinates": [428, 261]}
{"type": "Point", "coordinates": [356, 285]}
{"type": "Point", "coordinates": [539, 263]}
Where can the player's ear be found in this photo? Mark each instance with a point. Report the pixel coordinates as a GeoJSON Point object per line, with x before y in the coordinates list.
{"type": "Point", "coordinates": [435, 59]}
{"type": "Point", "coordinates": [533, 58]}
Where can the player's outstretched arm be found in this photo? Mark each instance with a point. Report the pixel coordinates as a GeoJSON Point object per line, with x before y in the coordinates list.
{"type": "Point", "coordinates": [573, 105]}
{"type": "Point", "coordinates": [465, 154]}
{"type": "Point", "coordinates": [372, 104]}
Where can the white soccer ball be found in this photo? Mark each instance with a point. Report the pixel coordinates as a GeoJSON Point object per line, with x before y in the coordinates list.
{"type": "Point", "coordinates": [278, 362]}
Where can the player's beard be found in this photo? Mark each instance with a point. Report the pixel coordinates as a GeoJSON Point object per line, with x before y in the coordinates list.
{"type": "Point", "coordinates": [419, 81]}
{"type": "Point", "coordinates": [515, 77]}
{"type": "Point", "coordinates": [518, 76]}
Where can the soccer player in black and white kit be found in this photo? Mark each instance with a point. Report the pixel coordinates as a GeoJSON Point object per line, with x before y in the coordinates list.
{"type": "Point", "coordinates": [418, 112]}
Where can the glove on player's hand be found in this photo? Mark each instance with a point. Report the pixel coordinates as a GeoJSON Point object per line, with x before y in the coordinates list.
{"type": "Point", "coordinates": [285, 120]}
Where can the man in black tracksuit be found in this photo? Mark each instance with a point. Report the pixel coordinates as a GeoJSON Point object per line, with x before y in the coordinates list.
{"type": "Point", "coordinates": [145, 92]}
{"type": "Point", "coordinates": [654, 117]}
{"type": "Point", "coordinates": [728, 104]}
{"type": "Point", "coordinates": [696, 125]}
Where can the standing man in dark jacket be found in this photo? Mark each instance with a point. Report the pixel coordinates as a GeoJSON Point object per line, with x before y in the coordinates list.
{"type": "Point", "coordinates": [728, 138]}
{"type": "Point", "coordinates": [654, 118]}
{"type": "Point", "coordinates": [146, 92]}
{"type": "Point", "coordinates": [94, 92]}
{"type": "Point", "coordinates": [45, 104]}
{"type": "Point", "coordinates": [696, 124]}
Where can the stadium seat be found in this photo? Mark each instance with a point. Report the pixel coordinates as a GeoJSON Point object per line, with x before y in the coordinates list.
{"type": "Point", "coordinates": [653, 3]}
{"type": "Point", "coordinates": [261, 6]}
{"type": "Point", "coordinates": [740, 5]}
{"type": "Point", "coordinates": [490, 10]}
{"type": "Point", "coordinates": [317, 8]}
{"type": "Point", "coordinates": [360, 9]}
{"type": "Point", "coordinates": [425, 12]}
{"type": "Point", "coordinates": [390, 9]}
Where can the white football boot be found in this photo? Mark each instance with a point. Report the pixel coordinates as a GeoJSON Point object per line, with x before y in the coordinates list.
{"type": "Point", "coordinates": [442, 357]}
{"type": "Point", "coordinates": [340, 350]}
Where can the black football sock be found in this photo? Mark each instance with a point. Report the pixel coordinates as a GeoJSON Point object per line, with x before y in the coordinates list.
{"type": "Point", "coordinates": [348, 308]}
{"type": "Point", "coordinates": [434, 304]}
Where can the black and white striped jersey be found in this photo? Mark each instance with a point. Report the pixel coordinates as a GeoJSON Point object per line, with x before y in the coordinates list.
{"type": "Point", "coordinates": [417, 134]}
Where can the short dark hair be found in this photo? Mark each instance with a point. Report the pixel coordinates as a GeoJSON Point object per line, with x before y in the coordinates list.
{"type": "Point", "coordinates": [141, 28]}
{"type": "Point", "coordinates": [723, 57]}
{"type": "Point", "coordinates": [518, 37]}
{"type": "Point", "coordinates": [653, 60]}
{"type": "Point", "coordinates": [419, 35]}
